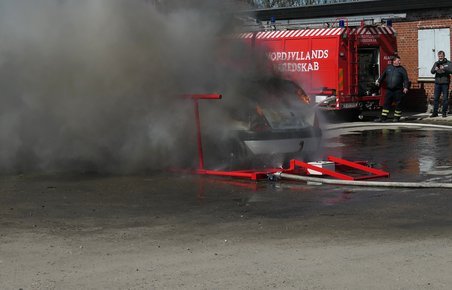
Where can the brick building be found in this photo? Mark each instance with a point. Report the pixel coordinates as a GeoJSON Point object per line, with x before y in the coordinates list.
{"type": "Point", "coordinates": [419, 37]}
{"type": "Point", "coordinates": [423, 28]}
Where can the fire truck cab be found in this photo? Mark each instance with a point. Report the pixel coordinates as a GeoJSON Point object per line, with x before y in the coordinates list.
{"type": "Point", "coordinates": [336, 66]}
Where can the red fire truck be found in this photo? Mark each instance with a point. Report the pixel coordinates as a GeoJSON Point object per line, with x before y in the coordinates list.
{"type": "Point", "coordinates": [337, 66]}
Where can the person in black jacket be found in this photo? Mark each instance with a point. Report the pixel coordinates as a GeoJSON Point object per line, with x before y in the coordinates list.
{"type": "Point", "coordinates": [396, 87]}
{"type": "Point", "coordinates": [441, 69]}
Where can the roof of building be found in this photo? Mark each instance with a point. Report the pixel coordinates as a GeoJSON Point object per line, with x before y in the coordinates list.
{"type": "Point", "coordinates": [348, 9]}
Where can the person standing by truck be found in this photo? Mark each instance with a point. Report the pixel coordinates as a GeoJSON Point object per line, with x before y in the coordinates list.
{"type": "Point", "coordinates": [396, 87]}
{"type": "Point", "coordinates": [442, 70]}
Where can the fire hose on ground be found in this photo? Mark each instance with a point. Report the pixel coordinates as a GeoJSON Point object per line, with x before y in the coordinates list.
{"type": "Point", "coordinates": [279, 175]}
{"type": "Point", "coordinates": [396, 124]}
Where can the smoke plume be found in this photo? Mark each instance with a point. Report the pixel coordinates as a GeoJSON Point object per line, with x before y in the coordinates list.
{"type": "Point", "coordinates": [96, 84]}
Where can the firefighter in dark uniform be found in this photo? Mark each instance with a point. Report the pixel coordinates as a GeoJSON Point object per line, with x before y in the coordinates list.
{"type": "Point", "coordinates": [396, 87]}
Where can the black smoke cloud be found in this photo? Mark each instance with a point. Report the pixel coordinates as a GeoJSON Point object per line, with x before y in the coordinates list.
{"type": "Point", "coordinates": [96, 84]}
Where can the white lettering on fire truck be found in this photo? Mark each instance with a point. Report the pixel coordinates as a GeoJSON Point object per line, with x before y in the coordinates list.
{"type": "Point", "coordinates": [298, 55]}
{"type": "Point", "coordinates": [297, 67]}
{"type": "Point", "coordinates": [288, 60]}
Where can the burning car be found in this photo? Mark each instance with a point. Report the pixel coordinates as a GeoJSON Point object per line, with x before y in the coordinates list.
{"type": "Point", "coordinates": [273, 123]}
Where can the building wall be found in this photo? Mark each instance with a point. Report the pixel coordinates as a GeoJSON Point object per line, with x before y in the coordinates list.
{"type": "Point", "coordinates": [421, 92]}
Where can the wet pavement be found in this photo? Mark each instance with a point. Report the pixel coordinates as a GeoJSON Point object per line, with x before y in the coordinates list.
{"type": "Point", "coordinates": [408, 153]}
{"type": "Point", "coordinates": [164, 214]}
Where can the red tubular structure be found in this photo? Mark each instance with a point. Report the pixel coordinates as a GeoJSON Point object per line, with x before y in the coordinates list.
{"type": "Point", "coordinates": [295, 165]}
{"type": "Point", "coordinates": [195, 98]}
{"type": "Point", "coordinates": [356, 165]}
{"type": "Point", "coordinates": [374, 173]}
{"type": "Point", "coordinates": [249, 174]}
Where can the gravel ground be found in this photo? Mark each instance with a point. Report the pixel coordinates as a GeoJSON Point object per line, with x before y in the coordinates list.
{"type": "Point", "coordinates": [172, 232]}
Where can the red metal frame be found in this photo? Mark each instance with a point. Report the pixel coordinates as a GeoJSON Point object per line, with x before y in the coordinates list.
{"type": "Point", "coordinates": [374, 173]}
{"type": "Point", "coordinates": [196, 98]}
{"type": "Point", "coordinates": [251, 174]}
{"type": "Point", "coordinates": [356, 165]}
{"type": "Point", "coordinates": [296, 166]}
{"type": "Point", "coordinates": [258, 174]}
